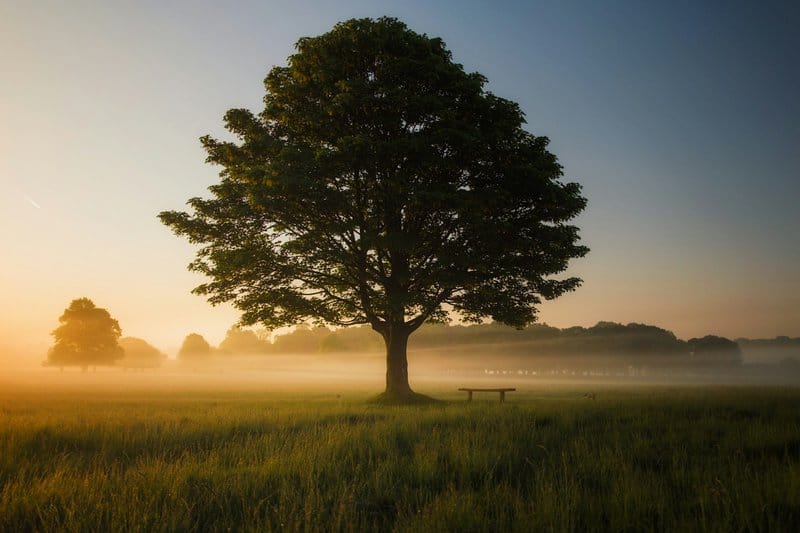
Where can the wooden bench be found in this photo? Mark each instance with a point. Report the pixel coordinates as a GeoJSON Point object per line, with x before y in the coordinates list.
{"type": "Point", "coordinates": [501, 391]}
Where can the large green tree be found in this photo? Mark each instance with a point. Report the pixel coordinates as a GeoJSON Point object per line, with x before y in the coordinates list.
{"type": "Point", "coordinates": [382, 185]}
{"type": "Point", "coordinates": [87, 335]}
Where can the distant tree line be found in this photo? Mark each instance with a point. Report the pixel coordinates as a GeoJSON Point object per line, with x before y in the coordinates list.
{"type": "Point", "coordinates": [609, 339]}
{"type": "Point", "coordinates": [88, 336]}
{"type": "Point", "coordinates": [779, 350]}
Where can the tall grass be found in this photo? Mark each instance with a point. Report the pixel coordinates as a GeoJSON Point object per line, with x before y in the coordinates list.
{"type": "Point", "coordinates": [721, 459]}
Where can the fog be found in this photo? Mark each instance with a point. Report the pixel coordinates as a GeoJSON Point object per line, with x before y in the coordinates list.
{"type": "Point", "coordinates": [440, 358]}
{"type": "Point", "coordinates": [343, 373]}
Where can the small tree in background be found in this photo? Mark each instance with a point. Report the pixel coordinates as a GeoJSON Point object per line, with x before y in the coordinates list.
{"type": "Point", "coordinates": [140, 354]}
{"type": "Point", "coordinates": [88, 335]}
{"type": "Point", "coordinates": [713, 350]}
{"type": "Point", "coordinates": [194, 349]}
{"type": "Point", "coordinates": [243, 341]}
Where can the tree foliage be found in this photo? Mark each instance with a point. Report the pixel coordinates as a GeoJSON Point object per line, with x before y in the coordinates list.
{"type": "Point", "coordinates": [194, 348]}
{"type": "Point", "coordinates": [243, 341]}
{"type": "Point", "coordinates": [632, 341]}
{"type": "Point", "coordinates": [87, 335]}
{"type": "Point", "coordinates": [382, 185]}
{"type": "Point", "coordinates": [140, 354]}
{"type": "Point", "coordinates": [712, 349]}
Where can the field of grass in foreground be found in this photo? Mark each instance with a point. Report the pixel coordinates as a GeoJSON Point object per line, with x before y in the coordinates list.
{"type": "Point", "coordinates": [633, 459]}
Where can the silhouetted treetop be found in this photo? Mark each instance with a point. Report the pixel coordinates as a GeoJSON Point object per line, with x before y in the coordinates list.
{"type": "Point", "coordinates": [194, 347]}
{"type": "Point", "coordinates": [140, 354]}
{"type": "Point", "coordinates": [243, 341]}
{"type": "Point", "coordinates": [715, 349]}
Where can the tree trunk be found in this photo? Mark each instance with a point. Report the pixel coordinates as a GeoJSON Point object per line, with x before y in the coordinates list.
{"type": "Point", "coordinates": [396, 339]}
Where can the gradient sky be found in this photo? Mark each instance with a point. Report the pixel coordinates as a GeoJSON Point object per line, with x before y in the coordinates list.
{"type": "Point", "coordinates": [681, 121]}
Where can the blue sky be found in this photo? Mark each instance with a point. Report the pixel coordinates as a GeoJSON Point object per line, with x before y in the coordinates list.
{"type": "Point", "coordinates": [681, 121]}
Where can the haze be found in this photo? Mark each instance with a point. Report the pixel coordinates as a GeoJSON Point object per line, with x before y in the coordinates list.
{"type": "Point", "coordinates": [681, 122]}
{"type": "Point", "coordinates": [327, 361]}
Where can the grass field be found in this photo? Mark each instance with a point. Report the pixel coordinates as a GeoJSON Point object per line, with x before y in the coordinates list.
{"type": "Point", "coordinates": [205, 458]}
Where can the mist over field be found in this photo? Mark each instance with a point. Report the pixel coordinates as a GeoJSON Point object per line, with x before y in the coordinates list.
{"type": "Point", "coordinates": [170, 449]}
{"type": "Point", "coordinates": [337, 361]}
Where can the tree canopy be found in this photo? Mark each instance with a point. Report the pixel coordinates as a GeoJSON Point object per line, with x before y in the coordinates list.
{"type": "Point", "coordinates": [194, 348]}
{"type": "Point", "coordinates": [382, 185]}
{"type": "Point", "coordinates": [87, 335]}
{"type": "Point", "coordinates": [140, 354]}
{"type": "Point", "coordinates": [243, 341]}
{"type": "Point", "coordinates": [712, 349]}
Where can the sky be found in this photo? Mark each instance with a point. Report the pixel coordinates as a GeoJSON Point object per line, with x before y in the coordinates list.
{"type": "Point", "coordinates": [681, 121]}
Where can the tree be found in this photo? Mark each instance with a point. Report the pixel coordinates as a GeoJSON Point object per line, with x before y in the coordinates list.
{"type": "Point", "coordinates": [302, 340]}
{"type": "Point", "coordinates": [381, 185]}
{"type": "Point", "coordinates": [87, 336]}
{"type": "Point", "coordinates": [194, 348]}
{"type": "Point", "coordinates": [713, 350]}
{"type": "Point", "coordinates": [140, 354]}
{"type": "Point", "coordinates": [243, 341]}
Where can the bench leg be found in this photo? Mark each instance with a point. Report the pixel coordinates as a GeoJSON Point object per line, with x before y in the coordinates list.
{"type": "Point", "coordinates": [469, 395]}
{"type": "Point", "coordinates": [502, 396]}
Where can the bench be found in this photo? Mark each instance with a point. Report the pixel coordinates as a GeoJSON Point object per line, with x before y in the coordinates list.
{"type": "Point", "coordinates": [501, 391]}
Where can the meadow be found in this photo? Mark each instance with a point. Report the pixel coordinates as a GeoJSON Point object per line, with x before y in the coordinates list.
{"type": "Point", "coordinates": [213, 458]}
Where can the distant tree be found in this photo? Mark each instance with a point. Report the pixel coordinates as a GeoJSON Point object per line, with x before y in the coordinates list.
{"type": "Point", "coordinates": [140, 354]}
{"type": "Point", "coordinates": [194, 348]}
{"type": "Point", "coordinates": [303, 339]}
{"type": "Point", "coordinates": [243, 341]}
{"type": "Point", "coordinates": [382, 185]}
{"type": "Point", "coordinates": [715, 350]}
{"type": "Point", "coordinates": [353, 339]}
{"type": "Point", "coordinates": [88, 335]}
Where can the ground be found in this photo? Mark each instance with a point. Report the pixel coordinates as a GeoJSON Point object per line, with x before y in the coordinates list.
{"type": "Point", "coordinates": [212, 457]}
